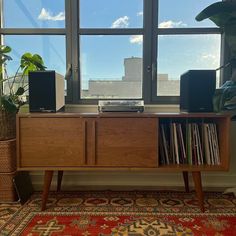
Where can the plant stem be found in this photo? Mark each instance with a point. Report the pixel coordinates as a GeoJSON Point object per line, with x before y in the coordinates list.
{"type": "Point", "coordinates": [223, 66]}
{"type": "Point", "coordinates": [7, 79]}
{"type": "Point", "coordinates": [1, 93]}
{"type": "Point", "coordinates": [14, 79]}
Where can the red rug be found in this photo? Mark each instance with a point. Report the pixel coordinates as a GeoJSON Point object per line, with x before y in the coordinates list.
{"type": "Point", "coordinates": [123, 213]}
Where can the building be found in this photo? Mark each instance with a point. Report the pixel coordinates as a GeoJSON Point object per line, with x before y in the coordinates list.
{"type": "Point", "coordinates": [130, 85]}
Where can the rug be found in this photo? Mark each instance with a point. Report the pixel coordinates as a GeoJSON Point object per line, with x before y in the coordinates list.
{"type": "Point", "coordinates": [119, 213]}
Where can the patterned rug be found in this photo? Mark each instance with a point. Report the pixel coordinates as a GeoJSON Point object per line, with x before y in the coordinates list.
{"type": "Point", "coordinates": [121, 213]}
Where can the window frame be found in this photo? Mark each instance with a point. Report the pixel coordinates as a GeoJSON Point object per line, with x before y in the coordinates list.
{"type": "Point", "coordinates": [41, 31]}
{"type": "Point", "coordinates": [150, 32]}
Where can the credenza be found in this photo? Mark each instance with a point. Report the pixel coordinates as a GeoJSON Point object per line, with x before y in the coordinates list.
{"type": "Point", "coordinates": [169, 142]}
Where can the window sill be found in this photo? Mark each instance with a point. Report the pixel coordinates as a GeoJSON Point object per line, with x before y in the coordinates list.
{"type": "Point", "coordinates": [94, 108]}
{"type": "Point", "coordinates": [147, 108]}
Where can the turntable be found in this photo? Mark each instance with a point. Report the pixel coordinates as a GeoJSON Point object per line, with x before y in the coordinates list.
{"type": "Point", "coordinates": [120, 106]}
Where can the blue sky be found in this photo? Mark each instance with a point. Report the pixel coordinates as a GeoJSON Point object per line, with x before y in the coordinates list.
{"type": "Point", "coordinates": [26, 14]}
{"type": "Point", "coordinates": [103, 56]}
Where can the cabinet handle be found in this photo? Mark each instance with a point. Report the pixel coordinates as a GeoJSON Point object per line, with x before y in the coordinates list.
{"type": "Point", "coordinates": [85, 142]}
{"type": "Point", "coordinates": [95, 141]}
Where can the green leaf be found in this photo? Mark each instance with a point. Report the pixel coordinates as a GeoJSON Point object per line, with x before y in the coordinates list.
{"type": "Point", "coordinates": [221, 13]}
{"type": "Point", "coordinates": [20, 91]}
{"type": "Point", "coordinates": [3, 56]}
{"type": "Point", "coordinates": [8, 104]}
{"type": "Point", "coordinates": [31, 62]}
{"type": "Point", "coordinates": [4, 49]}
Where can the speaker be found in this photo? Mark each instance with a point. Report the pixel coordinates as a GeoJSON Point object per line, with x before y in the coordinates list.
{"type": "Point", "coordinates": [197, 88]}
{"type": "Point", "coordinates": [46, 91]}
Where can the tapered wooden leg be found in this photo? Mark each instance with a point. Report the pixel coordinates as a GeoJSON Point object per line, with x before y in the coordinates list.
{"type": "Point", "coordinates": [186, 182]}
{"type": "Point", "coordinates": [59, 179]}
{"type": "Point", "coordinates": [198, 188]}
{"type": "Point", "coordinates": [47, 182]}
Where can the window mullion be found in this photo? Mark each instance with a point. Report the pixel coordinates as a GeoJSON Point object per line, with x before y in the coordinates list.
{"type": "Point", "coordinates": [1, 21]}
{"type": "Point", "coordinates": [153, 90]}
{"type": "Point", "coordinates": [68, 47]}
{"type": "Point", "coordinates": [32, 31]}
{"type": "Point", "coordinates": [109, 31]}
{"type": "Point", "coordinates": [74, 9]}
{"type": "Point", "coordinates": [148, 52]}
{"type": "Point", "coordinates": [1, 14]}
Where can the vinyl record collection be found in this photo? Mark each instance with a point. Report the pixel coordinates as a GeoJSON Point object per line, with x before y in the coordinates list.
{"type": "Point", "coordinates": [188, 143]}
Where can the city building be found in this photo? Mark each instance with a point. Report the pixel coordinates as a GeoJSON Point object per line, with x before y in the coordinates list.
{"type": "Point", "coordinates": [130, 85]}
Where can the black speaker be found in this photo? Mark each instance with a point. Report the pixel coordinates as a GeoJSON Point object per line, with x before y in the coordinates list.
{"type": "Point", "coordinates": [197, 88]}
{"type": "Point", "coordinates": [46, 91]}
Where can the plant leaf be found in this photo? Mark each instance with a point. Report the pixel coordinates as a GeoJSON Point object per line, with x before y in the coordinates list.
{"type": "Point", "coordinates": [8, 104]}
{"type": "Point", "coordinates": [220, 13]}
{"type": "Point", "coordinates": [3, 55]}
{"type": "Point", "coordinates": [20, 91]}
{"type": "Point", "coordinates": [31, 62]}
{"type": "Point", "coordinates": [4, 49]}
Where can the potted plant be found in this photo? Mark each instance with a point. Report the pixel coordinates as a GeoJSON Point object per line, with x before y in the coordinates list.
{"type": "Point", "coordinates": [12, 97]}
{"type": "Point", "coordinates": [223, 14]}
{"type": "Point", "coordinates": [13, 88]}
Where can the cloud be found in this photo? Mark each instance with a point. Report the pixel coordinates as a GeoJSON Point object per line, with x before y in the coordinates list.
{"type": "Point", "coordinates": [172, 24]}
{"type": "Point", "coordinates": [138, 39]}
{"type": "Point", "coordinates": [122, 22]}
{"type": "Point", "coordinates": [208, 56]}
{"type": "Point", "coordinates": [210, 59]}
{"type": "Point", "coordinates": [46, 15]}
{"type": "Point", "coordinates": [140, 13]}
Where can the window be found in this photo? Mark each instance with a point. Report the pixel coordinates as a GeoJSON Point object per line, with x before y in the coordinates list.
{"type": "Point", "coordinates": [50, 47]}
{"type": "Point", "coordinates": [111, 14]}
{"type": "Point", "coordinates": [179, 53]}
{"type": "Point", "coordinates": [110, 75]}
{"type": "Point", "coordinates": [183, 44]}
{"type": "Point", "coordinates": [117, 49]}
{"type": "Point", "coordinates": [35, 28]}
{"type": "Point", "coordinates": [31, 14]}
{"type": "Point", "coordinates": [110, 39]}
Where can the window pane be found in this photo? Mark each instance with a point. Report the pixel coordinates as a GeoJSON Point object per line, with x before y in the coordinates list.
{"type": "Point", "coordinates": [111, 66]}
{"type": "Point", "coordinates": [111, 13]}
{"type": "Point", "coordinates": [182, 13]}
{"type": "Point", "coordinates": [50, 48]}
{"type": "Point", "coordinates": [177, 54]}
{"type": "Point", "coordinates": [34, 14]}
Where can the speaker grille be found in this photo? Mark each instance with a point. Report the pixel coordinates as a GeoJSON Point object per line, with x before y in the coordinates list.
{"type": "Point", "coordinates": [42, 91]}
{"type": "Point", "coordinates": [197, 88]}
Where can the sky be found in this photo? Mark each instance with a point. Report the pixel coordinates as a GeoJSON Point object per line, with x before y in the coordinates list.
{"type": "Point", "coordinates": [102, 57]}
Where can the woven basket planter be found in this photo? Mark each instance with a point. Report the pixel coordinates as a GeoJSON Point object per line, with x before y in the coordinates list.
{"type": "Point", "coordinates": [7, 189]}
{"type": "Point", "coordinates": [7, 156]}
{"type": "Point", "coordinates": [7, 125]}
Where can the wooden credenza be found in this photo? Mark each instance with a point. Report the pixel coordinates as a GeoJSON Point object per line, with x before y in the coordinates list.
{"type": "Point", "coordinates": [119, 141]}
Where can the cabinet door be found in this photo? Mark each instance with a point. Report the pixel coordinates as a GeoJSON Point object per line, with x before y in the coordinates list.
{"type": "Point", "coordinates": [51, 142]}
{"type": "Point", "coordinates": [130, 142]}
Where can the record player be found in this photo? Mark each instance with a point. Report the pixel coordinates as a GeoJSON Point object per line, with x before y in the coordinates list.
{"type": "Point", "coordinates": [120, 106]}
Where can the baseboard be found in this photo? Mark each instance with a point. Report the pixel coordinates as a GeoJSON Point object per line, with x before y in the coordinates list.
{"type": "Point", "coordinates": [134, 181]}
